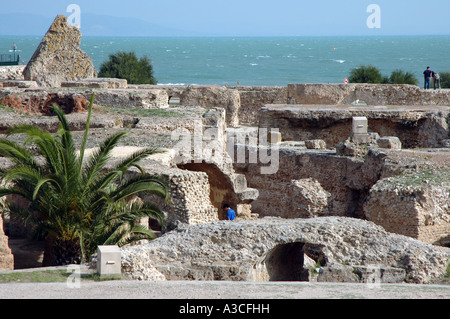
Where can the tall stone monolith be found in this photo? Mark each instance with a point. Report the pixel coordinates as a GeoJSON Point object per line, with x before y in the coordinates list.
{"type": "Point", "coordinates": [58, 57]}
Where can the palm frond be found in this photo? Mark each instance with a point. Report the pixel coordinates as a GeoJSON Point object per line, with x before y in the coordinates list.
{"type": "Point", "coordinates": [16, 153]}
{"type": "Point", "coordinates": [86, 131]}
{"type": "Point", "coordinates": [146, 184]}
{"type": "Point", "coordinates": [99, 158]}
{"type": "Point", "coordinates": [134, 159]}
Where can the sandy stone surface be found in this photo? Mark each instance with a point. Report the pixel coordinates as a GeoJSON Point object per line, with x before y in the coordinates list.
{"type": "Point", "coordinates": [220, 290]}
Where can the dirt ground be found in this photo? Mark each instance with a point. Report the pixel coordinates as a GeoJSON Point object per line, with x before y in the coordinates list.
{"type": "Point", "coordinates": [219, 290]}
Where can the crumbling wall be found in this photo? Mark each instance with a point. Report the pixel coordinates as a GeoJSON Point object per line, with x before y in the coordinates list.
{"type": "Point", "coordinates": [413, 205]}
{"type": "Point", "coordinates": [12, 72]}
{"type": "Point", "coordinates": [415, 126]}
{"type": "Point", "coordinates": [214, 96]}
{"type": "Point", "coordinates": [339, 183]}
{"type": "Point", "coordinates": [254, 98]}
{"type": "Point", "coordinates": [370, 94]}
{"type": "Point", "coordinates": [239, 251]}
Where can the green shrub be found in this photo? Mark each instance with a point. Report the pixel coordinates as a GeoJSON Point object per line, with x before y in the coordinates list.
{"type": "Point", "coordinates": [370, 74]}
{"type": "Point", "coordinates": [366, 74]}
{"type": "Point", "coordinates": [401, 77]}
{"type": "Point", "coordinates": [125, 65]}
{"type": "Point", "coordinates": [445, 80]}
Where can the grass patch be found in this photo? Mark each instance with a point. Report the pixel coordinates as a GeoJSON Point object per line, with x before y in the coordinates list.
{"type": "Point", "coordinates": [35, 276]}
{"type": "Point", "coordinates": [48, 276]}
{"type": "Point", "coordinates": [423, 176]}
{"type": "Point", "coordinates": [138, 112]}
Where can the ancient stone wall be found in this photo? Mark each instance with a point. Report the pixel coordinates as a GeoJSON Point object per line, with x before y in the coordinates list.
{"type": "Point", "coordinates": [415, 126]}
{"type": "Point", "coordinates": [190, 196]}
{"type": "Point", "coordinates": [338, 184]}
{"type": "Point", "coordinates": [369, 94]}
{"type": "Point", "coordinates": [281, 249]}
{"type": "Point", "coordinates": [130, 98]}
{"type": "Point", "coordinates": [12, 72]}
{"type": "Point", "coordinates": [414, 207]}
{"type": "Point", "coordinates": [254, 98]}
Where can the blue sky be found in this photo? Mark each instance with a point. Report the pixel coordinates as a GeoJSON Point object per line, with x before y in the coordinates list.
{"type": "Point", "coordinates": [241, 17]}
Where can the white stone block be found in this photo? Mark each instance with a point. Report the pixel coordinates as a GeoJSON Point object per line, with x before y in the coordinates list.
{"type": "Point", "coordinates": [360, 125]}
{"type": "Point", "coordinates": [109, 261]}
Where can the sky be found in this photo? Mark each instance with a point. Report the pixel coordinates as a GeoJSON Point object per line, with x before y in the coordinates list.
{"type": "Point", "coordinates": [232, 17]}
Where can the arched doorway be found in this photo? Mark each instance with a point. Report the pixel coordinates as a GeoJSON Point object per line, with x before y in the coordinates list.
{"type": "Point", "coordinates": [289, 262]}
{"type": "Point", "coordinates": [221, 187]}
{"type": "Point", "coordinates": [286, 263]}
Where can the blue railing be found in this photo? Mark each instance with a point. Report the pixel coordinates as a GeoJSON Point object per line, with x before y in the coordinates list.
{"type": "Point", "coordinates": [9, 59]}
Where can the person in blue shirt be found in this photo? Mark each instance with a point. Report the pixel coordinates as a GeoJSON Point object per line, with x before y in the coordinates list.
{"type": "Point", "coordinates": [427, 75]}
{"type": "Point", "coordinates": [231, 214]}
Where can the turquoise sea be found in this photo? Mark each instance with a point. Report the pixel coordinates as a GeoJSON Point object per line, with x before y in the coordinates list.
{"type": "Point", "coordinates": [263, 61]}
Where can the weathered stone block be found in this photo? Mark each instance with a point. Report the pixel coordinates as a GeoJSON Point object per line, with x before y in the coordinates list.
{"type": "Point", "coordinates": [380, 274]}
{"type": "Point", "coordinates": [98, 83]}
{"type": "Point", "coordinates": [337, 273]}
{"type": "Point", "coordinates": [274, 137]}
{"type": "Point", "coordinates": [308, 198]}
{"type": "Point", "coordinates": [361, 138]}
{"type": "Point", "coordinates": [391, 142]}
{"type": "Point", "coordinates": [316, 144]}
{"type": "Point", "coordinates": [18, 83]}
{"type": "Point", "coordinates": [214, 96]}
{"type": "Point", "coordinates": [416, 204]}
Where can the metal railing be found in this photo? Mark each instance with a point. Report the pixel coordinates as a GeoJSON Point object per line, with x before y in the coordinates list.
{"type": "Point", "coordinates": [9, 59]}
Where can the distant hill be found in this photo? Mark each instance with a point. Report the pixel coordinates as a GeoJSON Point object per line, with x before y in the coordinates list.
{"type": "Point", "coordinates": [91, 25]}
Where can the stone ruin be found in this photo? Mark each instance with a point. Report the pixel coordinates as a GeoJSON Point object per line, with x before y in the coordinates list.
{"type": "Point", "coordinates": [369, 162]}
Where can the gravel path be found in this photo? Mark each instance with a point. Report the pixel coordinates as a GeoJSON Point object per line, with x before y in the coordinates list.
{"type": "Point", "coordinates": [219, 290]}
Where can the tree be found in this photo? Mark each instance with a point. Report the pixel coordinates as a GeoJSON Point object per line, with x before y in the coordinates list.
{"type": "Point", "coordinates": [77, 204]}
{"type": "Point", "coordinates": [125, 65]}
{"type": "Point", "coordinates": [401, 77]}
{"type": "Point", "coordinates": [445, 80]}
{"type": "Point", "coordinates": [366, 74]}
{"type": "Point", "coordinates": [370, 74]}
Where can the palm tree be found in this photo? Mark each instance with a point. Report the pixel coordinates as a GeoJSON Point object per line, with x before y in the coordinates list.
{"type": "Point", "coordinates": [77, 203]}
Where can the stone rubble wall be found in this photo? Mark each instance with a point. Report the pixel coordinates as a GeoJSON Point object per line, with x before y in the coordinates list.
{"type": "Point", "coordinates": [415, 126]}
{"type": "Point", "coordinates": [38, 100]}
{"type": "Point", "coordinates": [336, 184]}
{"type": "Point", "coordinates": [190, 196]}
{"type": "Point", "coordinates": [420, 211]}
{"type": "Point", "coordinates": [369, 94]}
{"type": "Point", "coordinates": [12, 72]}
{"type": "Point", "coordinates": [254, 98]}
{"type": "Point", "coordinates": [130, 98]}
{"type": "Point", "coordinates": [244, 251]}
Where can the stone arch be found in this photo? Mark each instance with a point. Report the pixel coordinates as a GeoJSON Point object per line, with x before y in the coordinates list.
{"type": "Point", "coordinates": [221, 186]}
{"type": "Point", "coordinates": [286, 263]}
{"type": "Point", "coordinates": [289, 262]}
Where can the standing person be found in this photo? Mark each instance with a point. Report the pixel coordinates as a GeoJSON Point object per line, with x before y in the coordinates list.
{"type": "Point", "coordinates": [427, 74]}
{"type": "Point", "coordinates": [231, 214]}
{"type": "Point", "coordinates": [437, 80]}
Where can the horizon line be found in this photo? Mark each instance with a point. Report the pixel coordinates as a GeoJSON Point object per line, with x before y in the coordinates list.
{"type": "Point", "coordinates": [240, 36]}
